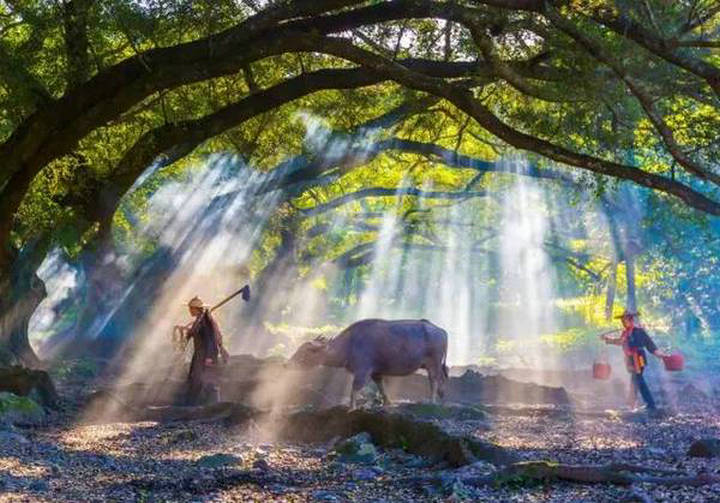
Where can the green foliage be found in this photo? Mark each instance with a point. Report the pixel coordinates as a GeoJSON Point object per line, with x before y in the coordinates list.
{"type": "Point", "coordinates": [436, 411]}
{"type": "Point", "coordinates": [75, 369]}
{"type": "Point", "coordinates": [572, 338]}
{"type": "Point", "coordinates": [218, 460]}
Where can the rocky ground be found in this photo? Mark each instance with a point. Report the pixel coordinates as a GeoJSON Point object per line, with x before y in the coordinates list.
{"type": "Point", "coordinates": [67, 461]}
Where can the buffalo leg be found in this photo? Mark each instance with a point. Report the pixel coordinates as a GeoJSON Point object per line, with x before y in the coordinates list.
{"type": "Point", "coordinates": [433, 379]}
{"type": "Point", "coordinates": [377, 378]}
{"type": "Point", "coordinates": [359, 382]}
{"type": "Point", "coordinates": [442, 381]}
{"type": "Point", "coordinates": [441, 386]}
{"type": "Point", "coordinates": [438, 380]}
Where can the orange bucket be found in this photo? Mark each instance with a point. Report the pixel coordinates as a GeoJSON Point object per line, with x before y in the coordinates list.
{"type": "Point", "coordinates": [601, 367]}
{"type": "Point", "coordinates": [674, 362]}
{"type": "Point", "coordinates": [601, 371]}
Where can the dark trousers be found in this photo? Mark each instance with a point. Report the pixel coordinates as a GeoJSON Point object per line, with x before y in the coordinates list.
{"type": "Point", "coordinates": [638, 381]}
{"type": "Point", "coordinates": [203, 384]}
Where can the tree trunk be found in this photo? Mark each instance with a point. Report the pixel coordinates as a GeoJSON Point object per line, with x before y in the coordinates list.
{"type": "Point", "coordinates": [631, 304]}
{"type": "Point", "coordinates": [22, 291]}
{"type": "Point", "coordinates": [611, 290]}
{"type": "Point", "coordinates": [21, 296]}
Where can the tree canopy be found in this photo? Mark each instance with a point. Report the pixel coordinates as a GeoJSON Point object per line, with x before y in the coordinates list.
{"type": "Point", "coordinates": [93, 93]}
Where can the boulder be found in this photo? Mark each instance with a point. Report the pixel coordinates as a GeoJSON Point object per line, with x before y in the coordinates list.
{"type": "Point", "coordinates": [19, 410]}
{"type": "Point", "coordinates": [27, 382]}
{"type": "Point", "coordinates": [393, 430]}
{"type": "Point", "coordinates": [356, 449]}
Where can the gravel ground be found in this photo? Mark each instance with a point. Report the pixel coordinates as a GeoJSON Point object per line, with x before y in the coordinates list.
{"type": "Point", "coordinates": [209, 462]}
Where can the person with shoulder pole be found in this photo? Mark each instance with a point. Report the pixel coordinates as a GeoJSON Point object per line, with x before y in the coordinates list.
{"type": "Point", "coordinates": [634, 341]}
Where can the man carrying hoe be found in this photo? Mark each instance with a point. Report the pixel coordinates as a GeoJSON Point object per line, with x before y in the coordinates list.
{"type": "Point", "coordinates": [207, 350]}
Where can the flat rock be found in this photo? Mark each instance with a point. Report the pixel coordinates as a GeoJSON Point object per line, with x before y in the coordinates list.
{"type": "Point", "coordinates": [322, 495]}
{"type": "Point", "coordinates": [261, 464]}
{"type": "Point", "coordinates": [705, 448]}
{"type": "Point", "coordinates": [10, 437]}
{"type": "Point", "coordinates": [218, 460]}
{"type": "Point", "coordinates": [363, 474]}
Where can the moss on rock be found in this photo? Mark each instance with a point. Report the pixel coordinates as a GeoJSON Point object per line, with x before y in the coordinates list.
{"type": "Point", "coordinates": [16, 409]}
{"type": "Point", "coordinates": [436, 411]}
{"type": "Point", "coordinates": [23, 381]}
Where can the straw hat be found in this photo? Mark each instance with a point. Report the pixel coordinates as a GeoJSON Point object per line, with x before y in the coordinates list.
{"type": "Point", "coordinates": [197, 302]}
{"type": "Point", "coordinates": [628, 314]}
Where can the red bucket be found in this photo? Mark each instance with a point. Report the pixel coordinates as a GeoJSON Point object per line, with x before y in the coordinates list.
{"type": "Point", "coordinates": [601, 370]}
{"type": "Point", "coordinates": [674, 363]}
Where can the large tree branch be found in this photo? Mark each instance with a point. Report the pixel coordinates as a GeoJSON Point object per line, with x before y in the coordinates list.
{"type": "Point", "coordinates": [57, 128]}
{"type": "Point", "coordinates": [505, 71]}
{"type": "Point", "coordinates": [627, 28]}
{"type": "Point", "coordinates": [615, 473]}
{"type": "Point", "coordinates": [389, 192]}
{"type": "Point", "coordinates": [665, 49]}
{"type": "Point", "coordinates": [295, 174]}
{"type": "Point", "coordinates": [173, 141]}
{"type": "Point", "coordinates": [364, 253]}
{"type": "Point", "coordinates": [465, 100]}
{"type": "Point", "coordinates": [644, 98]}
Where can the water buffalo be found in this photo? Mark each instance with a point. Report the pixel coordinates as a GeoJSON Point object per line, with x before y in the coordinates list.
{"type": "Point", "coordinates": [374, 348]}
